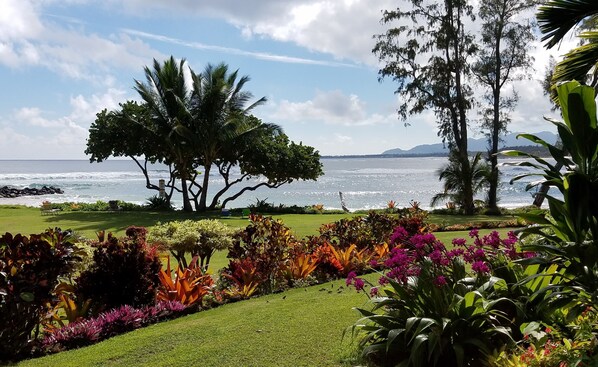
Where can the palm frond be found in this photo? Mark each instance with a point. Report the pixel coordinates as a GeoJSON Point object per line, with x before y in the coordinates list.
{"type": "Point", "coordinates": [578, 62]}
{"type": "Point", "coordinates": [557, 17]}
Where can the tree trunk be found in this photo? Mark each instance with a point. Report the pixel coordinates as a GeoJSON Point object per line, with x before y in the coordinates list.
{"type": "Point", "coordinates": [494, 174]}
{"type": "Point", "coordinates": [204, 191]}
{"type": "Point", "coordinates": [496, 124]}
{"type": "Point", "coordinates": [468, 204]}
{"type": "Point", "coordinates": [186, 203]}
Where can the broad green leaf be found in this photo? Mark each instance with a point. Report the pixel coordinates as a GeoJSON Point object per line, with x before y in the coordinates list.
{"type": "Point", "coordinates": [27, 296]}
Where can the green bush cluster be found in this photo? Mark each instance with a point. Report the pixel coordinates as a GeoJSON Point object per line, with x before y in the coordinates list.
{"type": "Point", "coordinates": [262, 206]}
{"type": "Point", "coordinates": [195, 238]}
{"type": "Point", "coordinates": [98, 206]}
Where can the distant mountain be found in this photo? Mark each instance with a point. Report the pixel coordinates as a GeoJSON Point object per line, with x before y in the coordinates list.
{"type": "Point", "coordinates": [475, 145]}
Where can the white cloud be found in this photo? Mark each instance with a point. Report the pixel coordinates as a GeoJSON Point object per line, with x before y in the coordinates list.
{"type": "Point", "coordinates": [28, 38]}
{"type": "Point", "coordinates": [18, 20]}
{"type": "Point", "coordinates": [331, 107]}
{"type": "Point", "coordinates": [235, 51]}
{"type": "Point", "coordinates": [60, 137]}
{"type": "Point", "coordinates": [342, 28]}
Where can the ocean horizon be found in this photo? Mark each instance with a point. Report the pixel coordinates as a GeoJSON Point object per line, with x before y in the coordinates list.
{"type": "Point", "coordinates": [366, 183]}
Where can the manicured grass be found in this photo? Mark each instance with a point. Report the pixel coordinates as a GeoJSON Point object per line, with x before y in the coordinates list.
{"type": "Point", "coordinates": [300, 327]}
{"type": "Point", "coordinates": [20, 219]}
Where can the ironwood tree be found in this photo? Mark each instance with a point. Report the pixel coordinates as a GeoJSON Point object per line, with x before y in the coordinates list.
{"type": "Point", "coordinates": [503, 57]}
{"type": "Point", "coordinates": [427, 51]}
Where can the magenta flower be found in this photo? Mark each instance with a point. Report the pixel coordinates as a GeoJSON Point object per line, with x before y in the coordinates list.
{"type": "Point", "coordinates": [374, 291]}
{"type": "Point", "coordinates": [480, 267]}
{"type": "Point", "coordinates": [399, 234]}
{"type": "Point", "coordinates": [440, 281]}
{"type": "Point", "coordinates": [350, 278]}
{"type": "Point", "coordinates": [359, 284]}
{"type": "Point", "coordinates": [459, 241]}
{"type": "Point", "coordinates": [473, 233]}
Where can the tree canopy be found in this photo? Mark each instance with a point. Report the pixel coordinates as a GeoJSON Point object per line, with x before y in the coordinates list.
{"type": "Point", "coordinates": [193, 125]}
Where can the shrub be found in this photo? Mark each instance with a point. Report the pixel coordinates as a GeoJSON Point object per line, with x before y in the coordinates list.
{"type": "Point", "coordinates": [159, 203]}
{"type": "Point", "coordinates": [374, 229]}
{"type": "Point", "coordinates": [124, 272]}
{"type": "Point", "coordinates": [29, 270]}
{"type": "Point", "coordinates": [196, 238]}
{"type": "Point", "coordinates": [543, 346]}
{"type": "Point", "coordinates": [189, 286]}
{"type": "Point", "coordinates": [432, 309]}
{"type": "Point", "coordinates": [241, 279]}
{"type": "Point", "coordinates": [265, 243]}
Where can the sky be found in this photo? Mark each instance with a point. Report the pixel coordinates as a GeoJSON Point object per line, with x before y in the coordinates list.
{"type": "Point", "coordinates": [63, 61]}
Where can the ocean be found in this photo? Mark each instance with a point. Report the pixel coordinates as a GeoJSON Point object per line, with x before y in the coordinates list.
{"type": "Point", "coordinates": [366, 183]}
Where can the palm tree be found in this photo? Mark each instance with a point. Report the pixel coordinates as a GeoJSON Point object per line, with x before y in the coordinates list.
{"type": "Point", "coordinates": [220, 112]}
{"type": "Point", "coordinates": [556, 18]}
{"type": "Point", "coordinates": [168, 99]}
{"type": "Point", "coordinates": [452, 175]}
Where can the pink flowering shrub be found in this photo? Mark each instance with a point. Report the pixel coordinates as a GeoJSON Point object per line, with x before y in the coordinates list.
{"type": "Point", "coordinates": [435, 305]}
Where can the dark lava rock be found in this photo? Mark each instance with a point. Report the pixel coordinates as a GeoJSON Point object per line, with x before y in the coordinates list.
{"type": "Point", "coordinates": [11, 192]}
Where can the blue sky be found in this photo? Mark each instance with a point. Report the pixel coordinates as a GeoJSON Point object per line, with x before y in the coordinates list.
{"type": "Point", "coordinates": [62, 61]}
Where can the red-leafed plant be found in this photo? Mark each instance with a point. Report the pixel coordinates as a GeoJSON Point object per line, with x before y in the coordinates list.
{"type": "Point", "coordinates": [188, 286]}
{"type": "Point", "coordinates": [124, 272]}
{"type": "Point", "coordinates": [244, 278]}
{"type": "Point", "coordinates": [29, 271]}
{"type": "Point", "coordinates": [266, 244]}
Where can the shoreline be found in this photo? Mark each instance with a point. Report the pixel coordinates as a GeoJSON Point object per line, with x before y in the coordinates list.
{"type": "Point", "coordinates": [36, 201]}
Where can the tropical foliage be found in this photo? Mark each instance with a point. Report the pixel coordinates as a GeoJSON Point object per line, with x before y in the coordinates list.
{"type": "Point", "coordinates": [431, 310]}
{"type": "Point", "coordinates": [527, 304]}
{"type": "Point", "coordinates": [30, 268]}
{"type": "Point", "coordinates": [568, 235]}
{"type": "Point", "coordinates": [453, 176]}
{"type": "Point", "coordinates": [195, 124]}
{"type": "Point", "coordinates": [199, 239]}
{"type": "Point", "coordinates": [188, 287]}
{"type": "Point", "coordinates": [124, 272]}
{"type": "Point", "coordinates": [557, 18]}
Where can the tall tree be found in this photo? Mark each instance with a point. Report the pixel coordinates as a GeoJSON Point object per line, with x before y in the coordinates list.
{"type": "Point", "coordinates": [427, 50]}
{"type": "Point", "coordinates": [200, 122]}
{"type": "Point", "coordinates": [220, 109]}
{"type": "Point", "coordinates": [503, 57]}
{"type": "Point", "coordinates": [167, 98]}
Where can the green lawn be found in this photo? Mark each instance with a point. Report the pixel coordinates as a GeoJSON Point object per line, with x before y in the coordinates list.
{"type": "Point", "coordinates": [20, 219]}
{"type": "Point", "coordinates": [300, 327]}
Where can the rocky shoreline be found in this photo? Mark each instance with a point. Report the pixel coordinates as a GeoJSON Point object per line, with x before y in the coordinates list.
{"type": "Point", "coordinates": [11, 192]}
